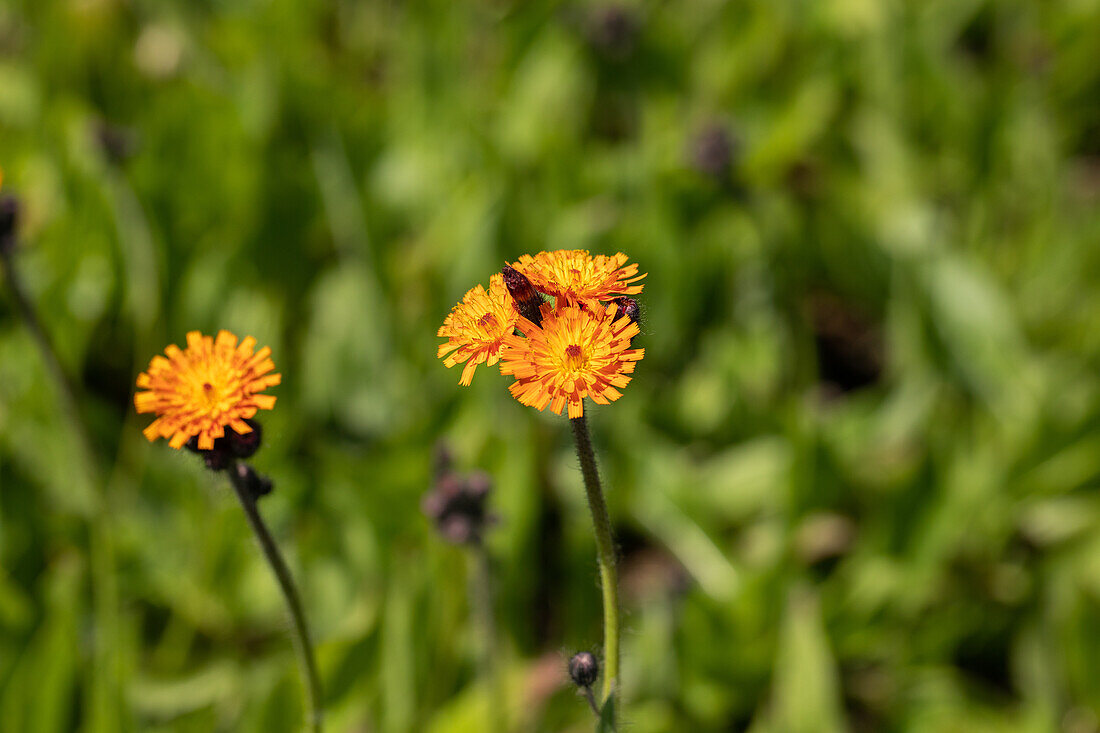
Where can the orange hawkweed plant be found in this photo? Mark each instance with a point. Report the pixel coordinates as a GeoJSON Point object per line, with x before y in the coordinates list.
{"type": "Point", "coordinates": [204, 398]}
{"type": "Point", "coordinates": [562, 324]}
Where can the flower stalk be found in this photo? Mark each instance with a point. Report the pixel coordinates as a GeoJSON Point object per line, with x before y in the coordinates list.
{"type": "Point", "coordinates": [605, 553]}
{"type": "Point", "coordinates": [481, 598]}
{"type": "Point", "coordinates": [245, 483]}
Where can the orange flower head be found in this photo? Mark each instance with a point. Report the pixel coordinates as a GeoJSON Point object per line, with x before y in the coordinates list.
{"type": "Point", "coordinates": [200, 390]}
{"type": "Point", "coordinates": [575, 276]}
{"type": "Point", "coordinates": [578, 352]}
{"type": "Point", "coordinates": [475, 328]}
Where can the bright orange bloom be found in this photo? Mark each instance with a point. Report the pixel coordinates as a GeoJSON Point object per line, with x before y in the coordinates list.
{"type": "Point", "coordinates": [476, 327]}
{"type": "Point", "coordinates": [577, 277]}
{"type": "Point", "coordinates": [205, 387]}
{"type": "Point", "coordinates": [578, 352]}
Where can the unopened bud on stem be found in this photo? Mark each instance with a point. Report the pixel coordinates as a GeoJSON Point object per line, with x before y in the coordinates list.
{"type": "Point", "coordinates": [9, 219]}
{"type": "Point", "coordinates": [584, 669]}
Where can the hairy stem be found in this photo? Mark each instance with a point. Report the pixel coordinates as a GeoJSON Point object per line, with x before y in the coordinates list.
{"type": "Point", "coordinates": [481, 598]}
{"type": "Point", "coordinates": [605, 552]}
{"type": "Point", "coordinates": [300, 633]}
{"type": "Point", "coordinates": [105, 699]}
{"type": "Point", "coordinates": [591, 698]}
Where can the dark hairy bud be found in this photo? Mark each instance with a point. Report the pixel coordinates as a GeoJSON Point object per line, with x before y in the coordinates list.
{"type": "Point", "coordinates": [584, 669]}
{"type": "Point", "coordinates": [117, 143]}
{"type": "Point", "coordinates": [457, 506]}
{"type": "Point", "coordinates": [613, 31]}
{"type": "Point", "coordinates": [244, 445]}
{"type": "Point", "coordinates": [229, 447]}
{"type": "Point", "coordinates": [9, 220]}
{"type": "Point", "coordinates": [712, 151]}
{"type": "Point", "coordinates": [528, 300]}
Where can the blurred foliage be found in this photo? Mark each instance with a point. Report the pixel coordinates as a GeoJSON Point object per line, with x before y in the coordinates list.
{"type": "Point", "coordinates": [853, 480]}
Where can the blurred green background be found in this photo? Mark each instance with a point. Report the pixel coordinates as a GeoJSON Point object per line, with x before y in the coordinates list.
{"type": "Point", "coordinates": [853, 480]}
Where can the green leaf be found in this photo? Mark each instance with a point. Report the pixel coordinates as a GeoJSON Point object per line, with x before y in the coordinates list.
{"type": "Point", "coordinates": [607, 717]}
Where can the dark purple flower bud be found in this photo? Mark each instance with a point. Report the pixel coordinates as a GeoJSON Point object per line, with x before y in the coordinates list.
{"type": "Point", "coordinates": [243, 445]}
{"type": "Point", "coordinates": [712, 151]}
{"type": "Point", "coordinates": [229, 447]}
{"type": "Point", "coordinates": [613, 31]}
{"type": "Point", "coordinates": [9, 220]}
{"type": "Point", "coordinates": [584, 669]}
{"type": "Point", "coordinates": [117, 143]}
{"type": "Point", "coordinates": [217, 458]}
{"type": "Point", "coordinates": [457, 505]}
{"type": "Point", "coordinates": [528, 300]}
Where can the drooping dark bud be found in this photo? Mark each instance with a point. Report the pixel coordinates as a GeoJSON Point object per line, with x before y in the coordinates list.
{"type": "Point", "coordinates": [528, 300]}
{"type": "Point", "coordinates": [253, 483]}
{"type": "Point", "coordinates": [584, 669]}
{"type": "Point", "coordinates": [244, 445]}
{"type": "Point", "coordinates": [712, 151]}
{"type": "Point", "coordinates": [9, 220]}
{"type": "Point", "coordinates": [217, 458]}
{"type": "Point", "coordinates": [117, 143]}
{"type": "Point", "coordinates": [613, 31]}
{"type": "Point", "coordinates": [457, 505]}
{"type": "Point", "coordinates": [230, 446]}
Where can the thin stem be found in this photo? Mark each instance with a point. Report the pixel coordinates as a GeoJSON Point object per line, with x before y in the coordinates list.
{"type": "Point", "coordinates": [587, 692]}
{"type": "Point", "coordinates": [481, 598]}
{"type": "Point", "coordinates": [105, 697]}
{"type": "Point", "coordinates": [605, 552]}
{"type": "Point", "coordinates": [49, 355]}
{"type": "Point", "coordinates": [300, 634]}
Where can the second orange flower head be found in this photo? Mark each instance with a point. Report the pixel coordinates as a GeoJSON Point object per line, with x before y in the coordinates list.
{"type": "Point", "coordinates": [201, 390]}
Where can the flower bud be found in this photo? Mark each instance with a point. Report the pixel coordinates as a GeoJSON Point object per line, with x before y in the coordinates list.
{"type": "Point", "coordinates": [9, 219]}
{"type": "Point", "coordinates": [712, 152]}
{"type": "Point", "coordinates": [613, 31]}
{"type": "Point", "coordinates": [584, 669]}
{"type": "Point", "coordinates": [244, 445]}
{"type": "Point", "coordinates": [230, 446]}
{"type": "Point", "coordinates": [457, 505]}
{"type": "Point", "coordinates": [528, 300]}
{"type": "Point", "coordinates": [117, 143]}
{"type": "Point", "coordinates": [216, 458]}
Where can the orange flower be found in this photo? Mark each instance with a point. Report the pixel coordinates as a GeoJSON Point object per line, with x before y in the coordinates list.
{"type": "Point", "coordinates": [476, 327]}
{"type": "Point", "coordinates": [205, 387]}
{"type": "Point", "coordinates": [578, 352]}
{"type": "Point", "coordinates": [577, 277]}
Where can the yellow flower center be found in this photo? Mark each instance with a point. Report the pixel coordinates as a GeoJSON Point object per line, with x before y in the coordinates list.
{"type": "Point", "coordinates": [488, 321]}
{"type": "Point", "coordinates": [574, 358]}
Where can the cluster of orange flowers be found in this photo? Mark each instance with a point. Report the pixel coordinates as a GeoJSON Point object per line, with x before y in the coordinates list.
{"type": "Point", "coordinates": [578, 345]}
{"type": "Point", "coordinates": [559, 352]}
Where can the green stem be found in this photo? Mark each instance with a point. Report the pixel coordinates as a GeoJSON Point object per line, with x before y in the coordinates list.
{"type": "Point", "coordinates": [300, 634]}
{"type": "Point", "coordinates": [605, 552]}
{"type": "Point", "coordinates": [104, 701]}
{"type": "Point", "coordinates": [481, 596]}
